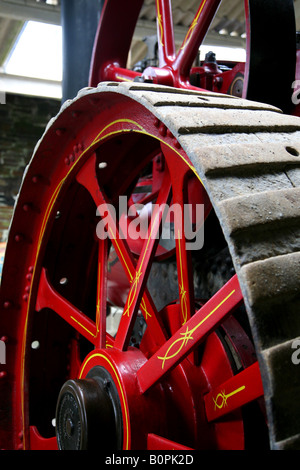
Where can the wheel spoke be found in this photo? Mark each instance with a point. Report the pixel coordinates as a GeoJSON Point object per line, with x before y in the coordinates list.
{"type": "Point", "coordinates": [140, 277]}
{"type": "Point", "coordinates": [196, 329]}
{"type": "Point", "coordinates": [120, 74]}
{"type": "Point", "coordinates": [234, 393]}
{"type": "Point", "coordinates": [87, 178]}
{"type": "Point", "coordinates": [155, 442]}
{"type": "Point", "coordinates": [165, 33]}
{"type": "Point", "coordinates": [147, 305]}
{"type": "Point", "coordinates": [101, 295]}
{"type": "Point", "coordinates": [37, 442]}
{"type": "Point", "coordinates": [195, 36]}
{"type": "Point", "coordinates": [48, 298]}
{"type": "Point", "coordinates": [183, 255]}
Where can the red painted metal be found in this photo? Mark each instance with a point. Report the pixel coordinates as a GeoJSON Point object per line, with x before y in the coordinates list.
{"type": "Point", "coordinates": [182, 371]}
{"type": "Point", "coordinates": [49, 300]}
{"type": "Point", "coordinates": [113, 42]}
{"type": "Point", "coordinates": [155, 442]}
{"type": "Point", "coordinates": [165, 33]}
{"type": "Point", "coordinates": [194, 331]}
{"type": "Point", "coordinates": [234, 393]}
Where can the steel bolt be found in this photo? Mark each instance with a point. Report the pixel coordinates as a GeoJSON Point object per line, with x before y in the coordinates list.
{"type": "Point", "coordinates": [162, 130]}
{"type": "Point", "coordinates": [19, 237]}
{"type": "Point", "coordinates": [26, 207]}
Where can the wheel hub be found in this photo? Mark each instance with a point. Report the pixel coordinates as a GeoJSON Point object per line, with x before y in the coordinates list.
{"type": "Point", "coordinates": [85, 407]}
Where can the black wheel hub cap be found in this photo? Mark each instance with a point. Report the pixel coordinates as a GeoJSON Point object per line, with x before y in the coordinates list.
{"type": "Point", "coordinates": [88, 413]}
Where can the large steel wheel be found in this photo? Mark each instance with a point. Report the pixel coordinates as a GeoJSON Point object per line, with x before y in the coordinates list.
{"type": "Point", "coordinates": [197, 372]}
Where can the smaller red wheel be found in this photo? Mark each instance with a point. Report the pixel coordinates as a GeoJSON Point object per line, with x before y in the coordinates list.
{"type": "Point", "coordinates": [264, 51]}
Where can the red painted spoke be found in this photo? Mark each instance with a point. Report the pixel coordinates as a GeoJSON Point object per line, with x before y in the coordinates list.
{"type": "Point", "coordinates": [144, 200]}
{"type": "Point", "coordinates": [195, 35]}
{"type": "Point", "coordinates": [165, 33]}
{"type": "Point", "coordinates": [48, 298]}
{"type": "Point", "coordinates": [155, 442]}
{"type": "Point", "coordinates": [196, 329]}
{"type": "Point", "coordinates": [87, 178]}
{"type": "Point", "coordinates": [119, 74]}
{"type": "Point", "coordinates": [37, 442]}
{"type": "Point", "coordinates": [181, 217]}
{"type": "Point", "coordinates": [140, 277]}
{"type": "Point", "coordinates": [147, 306]}
{"type": "Point", "coordinates": [101, 295]}
{"type": "Point", "coordinates": [234, 393]}
{"type": "Point", "coordinates": [183, 255]}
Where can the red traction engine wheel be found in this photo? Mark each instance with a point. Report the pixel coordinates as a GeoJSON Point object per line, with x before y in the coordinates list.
{"type": "Point", "coordinates": [170, 390]}
{"type": "Point", "coordinates": [179, 369]}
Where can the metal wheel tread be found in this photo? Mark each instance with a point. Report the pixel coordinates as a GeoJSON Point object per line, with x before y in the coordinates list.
{"type": "Point", "coordinates": [203, 100]}
{"type": "Point", "coordinates": [237, 158]}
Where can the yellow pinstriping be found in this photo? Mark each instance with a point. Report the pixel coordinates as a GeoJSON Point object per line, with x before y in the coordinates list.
{"type": "Point", "coordinates": [124, 79]}
{"type": "Point", "coordinates": [183, 301]}
{"type": "Point", "coordinates": [121, 389]}
{"type": "Point", "coordinates": [118, 121]}
{"type": "Point", "coordinates": [133, 289]}
{"type": "Point", "coordinates": [54, 196]}
{"type": "Point", "coordinates": [159, 17]}
{"type": "Point", "coordinates": [144, 308]}
{"type": "Point", "coordinates": [187, 335]}
{"type": "Point", "coordinates": [98, 298]}
{"type": "Point", "coordinates": [120, 252]}
{"type": "Point", "coordinates": [143, 303]}
{"type": "Point", "coordinates": [193, 25]}
{"type": "Point", "coordinates": [224, 397]}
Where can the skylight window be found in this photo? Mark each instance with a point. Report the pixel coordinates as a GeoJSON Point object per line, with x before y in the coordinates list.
{"type": "Point", "coordinates": [37, 53]}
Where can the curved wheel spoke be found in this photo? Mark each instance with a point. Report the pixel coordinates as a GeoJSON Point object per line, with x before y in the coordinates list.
{"type": "Point", "coordinates": [101, 295]}
{"type": "Point", "coordinates": [191, 334]}
{"type": "Point", "coordinates": [147, 305]}
{"type": "Point", "coordinates": [48, 298]}
{"type": "Point", "coordinates": [87, 178]}
{"type": "Point", "coordinates": [234, 393]}
{"type": "Point", "coordinates": [183, 255]}
{"type": "Point", "coordinates": [155, 442]}
{"type": "Point", "coordinates": [165, 32]}
{"type": "Point", "coordinates": [140, 277]}
{"type": "Point", "coordinates": [195, 35]}
{"type": "Point", "coordinates": [40, 443]}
